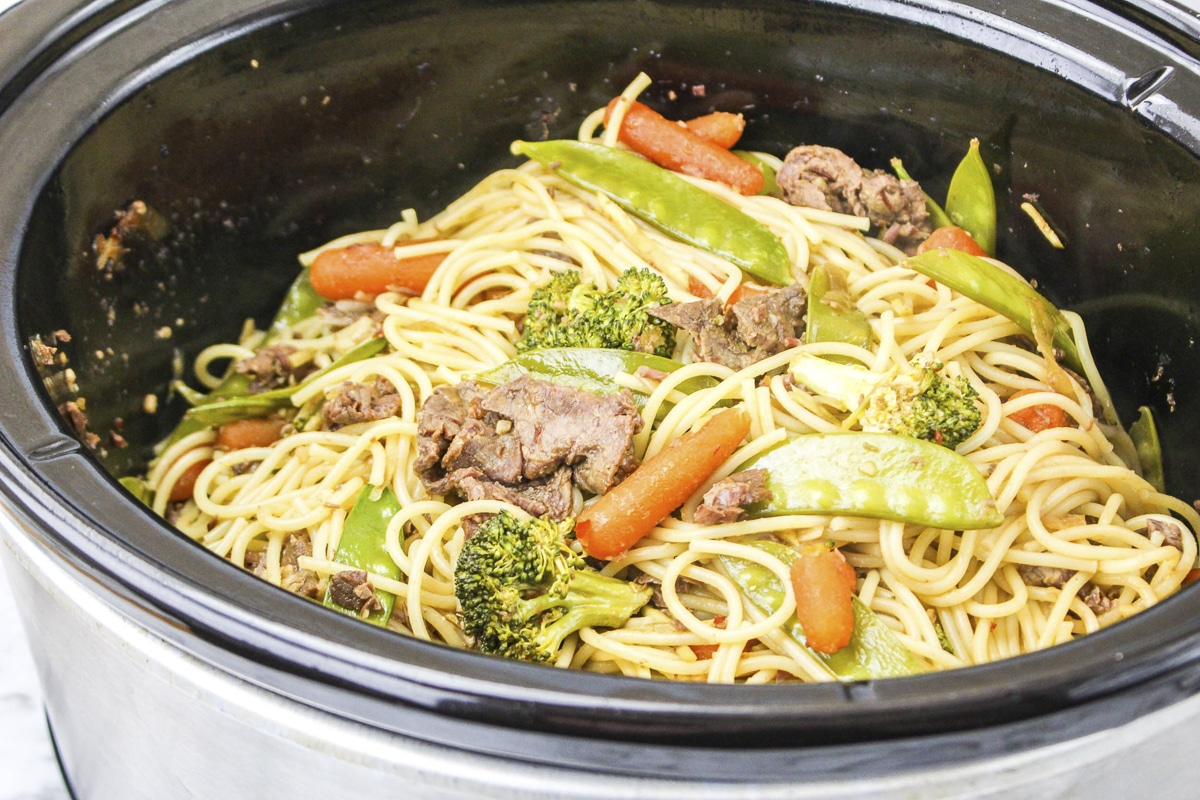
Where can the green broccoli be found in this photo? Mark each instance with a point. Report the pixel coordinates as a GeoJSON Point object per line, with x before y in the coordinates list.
{"type": "Point", "coordinates": [523, 590]}
{"type": "Point", "coordinates": [918, 401]}
{"type": "Point", "coordinates": [569, 313]}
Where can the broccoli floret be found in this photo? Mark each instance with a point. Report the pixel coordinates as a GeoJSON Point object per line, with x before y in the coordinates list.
{"type": "Point", "coordinates": [918, 401]}
{"type": "Point", "coordinates": [569, 313]}
{"type": "Point", "coordinates": [523, 590]}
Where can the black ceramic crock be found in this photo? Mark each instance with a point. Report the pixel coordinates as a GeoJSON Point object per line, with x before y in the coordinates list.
{"type": "Point", "coordinates": [261, 129]}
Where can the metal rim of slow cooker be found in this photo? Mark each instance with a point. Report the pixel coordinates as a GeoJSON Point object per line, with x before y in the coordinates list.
{"type": "Point", "coordinates": [353, 670]}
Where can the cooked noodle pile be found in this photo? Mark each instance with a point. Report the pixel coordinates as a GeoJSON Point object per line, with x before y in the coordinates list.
{"type": "Point", "coordinates": [1085, 540]}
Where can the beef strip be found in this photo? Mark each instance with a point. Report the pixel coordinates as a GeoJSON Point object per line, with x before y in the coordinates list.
{"type": "Point", "coordinates": [352, 590]}
{"type": "Point", "coordinates": [726, 501]}
{"type": "Point", "coordinates": [1056, 577]}
{"type": "Point", "coordinates": [1094, 598]}
{"type": "Point", "coordinates": [828, 179]}
{"type": "Point", "coordinates": [752, 329]}
{"type": "Point", "coordinates": [299, 581]}
{"type": "Point", "coordinates": [525, 442]}
{"type": "Point", "coordinates": [550, 496]}
{"type": "Point", "coordinates": [270, 368]}
{"type": "Point", "coordinates": [361, 402]}
{"type": "Point", "coordinates": [557, 425]}
{"type": "Point", "coordinates": [1172, 533]}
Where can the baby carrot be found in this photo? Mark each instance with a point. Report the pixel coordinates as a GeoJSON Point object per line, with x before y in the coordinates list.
{"type": "Point", "coordinates": [344, 272]}
{"type": "Point", "coordinates": [254, 432]}
{"type": "Point", "coordinates": [675, 147]}
{"type": "Point", "coordinates": [952, 237]}
{"type": "Point", "coordinates": [1039, 417]}
{"type": "Point", "coordinates": [616, 521]}
{"type": "Point", "coordinates": [182, 489]}
{"type": "Point", "coordinates": [824, 585]}
{"type": "Point", "coordinates": [720, 127]}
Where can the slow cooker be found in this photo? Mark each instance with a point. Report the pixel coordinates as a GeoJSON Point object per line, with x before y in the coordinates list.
{"type": "Point", "coordinates": [258, 129]}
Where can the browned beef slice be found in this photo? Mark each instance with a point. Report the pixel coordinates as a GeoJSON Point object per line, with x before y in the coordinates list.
{"type": "Point", "coordinates": [1094, 598]}
{"type": "Point", "coordinates": [550, 496]}
{"type": "Point", "coordinates": [1171, 532]}
{"type": "Point", "coordinates": [561, 425]}
{"type": "Point", "coordinates": [361, 402]}
{"type": "Point", "coordinates": [295, 579]}
{"type": "Point", "coordinates": [1055, 577]}
{"type": "Point", "coordinates": [270, 368]}
{"type": "Point", "coordinates": [753, 329]}
{"type": "Point", "coordinates": [726, 501]}
{"type": "Point", "coordinates": [454, 433]}
{"type": "Point", "coordinates": [771, 321]}
{"type": "Point", "coordinates": [551, 435]}
{"type": "Point", "coordinates": [352, 590]}
{"type": "Point", "coordinates": [826, 178]}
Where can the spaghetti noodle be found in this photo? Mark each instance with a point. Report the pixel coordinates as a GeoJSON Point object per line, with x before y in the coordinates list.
{"type": "Point", "coordinates": [1085, 540]}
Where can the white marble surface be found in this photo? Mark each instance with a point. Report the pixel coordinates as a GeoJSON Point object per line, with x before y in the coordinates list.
{"type": "Point", "coordinates": [28, 768]}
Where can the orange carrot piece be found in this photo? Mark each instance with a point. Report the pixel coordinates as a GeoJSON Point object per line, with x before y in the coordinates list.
{"type": "Point", "coordinates": [345, 272]}
{"type": "Point", "coordinates": [616, 521]}
{"type": "Point", "coordinates": [745, 291]}
{"type": "Point", "coordinates": [1040, 417]}
{"type": "Point", "coordinates": [242, 433]}
{"type": "Point", "coordinates": [183, 487]}
{"type": "Point", "coordinates": [675, 147]}
{"type": "Point", "coordinates": [824, 585]}
{"type": "Point", "coordinates": [720, 127]}
{"type": "Point", "coordinates": [698, 289]}
{"type": "Point", "coordinates": [1192, 576]}
{"type": "Point", "coordinates": [952, 237]}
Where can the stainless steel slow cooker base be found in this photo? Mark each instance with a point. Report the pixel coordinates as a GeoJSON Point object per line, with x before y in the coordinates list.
{"type": "Point", "coordinates": [184, 713]}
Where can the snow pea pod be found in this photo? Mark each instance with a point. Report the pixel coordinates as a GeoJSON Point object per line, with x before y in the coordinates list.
{"type": "Point", "coordinates": [832, 316]}
{"type": "Point", "coordinates": [592, 369]}
{"type": "Point", "coordinates": [667, 202]}
{"type": "Point", "coordinates": [971, 200]}
{"type": "Point", "coordinates": [876, 475]}
{"type": "Point", "coordinates": [361, 546]}
{"type": "Point", "coordinates": [1144, 432]}
{"type": "Point", "coordinates": [246, 406]}
{"type": "Point", "coordinates": [300, 302]}
{"type": "Point", "coordinates": [874, 650]}
{"type": "Point", "coordinates": [1000, 291]}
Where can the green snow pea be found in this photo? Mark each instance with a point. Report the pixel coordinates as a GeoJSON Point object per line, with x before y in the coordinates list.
{"type": "Point", "coordinates": [874, 650]}
{"type": "Point", "coordinates": [138, 488]}
{"type": "Point", "coordinates": [667, 202]}
{"type": "Point", "coordinates": [876, 475]}
{"type": "Point", "coordinates": [832, 316]}
{"type": "Point", "coordinates": [590, 368]}
{"type": "Point", "coordinates": [361, 546]}
{"type": "Point", "coordinates": [247, 406]}
{"type": "Point", "coordinates": [300, 302]}
{"type": "Point", "coordinates": [1000, 291]}
{"type": "Point", "coordinates": [971, 200]}
{"type": "Point", "coordinates": [1144, 433]}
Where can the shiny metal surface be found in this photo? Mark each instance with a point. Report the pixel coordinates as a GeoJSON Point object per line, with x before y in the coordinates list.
{"type": "Point", "coordinates": [146, 719]}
